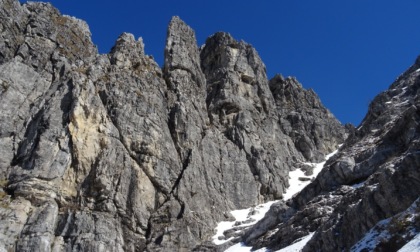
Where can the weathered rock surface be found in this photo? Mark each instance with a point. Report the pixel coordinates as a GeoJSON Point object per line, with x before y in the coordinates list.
{"type": "Point", "coordinates": [374, 176]}
{"type": "Point", "coordinates": [314, 130]}
{"type": "Point", "coordinates": [111, 152]}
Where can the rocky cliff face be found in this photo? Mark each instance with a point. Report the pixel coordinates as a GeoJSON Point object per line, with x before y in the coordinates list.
{"type": "Point", "coordinates": [111, 152]}
{"type": "Point", "coordinates": [312, 127]}
{"type": "Point", "coordinates": [366, 197]}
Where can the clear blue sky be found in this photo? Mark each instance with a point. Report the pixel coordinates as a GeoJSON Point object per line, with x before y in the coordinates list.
{"type": "Point", "coordinates": [347, 51]}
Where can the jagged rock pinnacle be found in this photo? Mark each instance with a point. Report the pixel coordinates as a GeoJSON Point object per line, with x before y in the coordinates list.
{"type": "Point", "coordinates": [112, 152]}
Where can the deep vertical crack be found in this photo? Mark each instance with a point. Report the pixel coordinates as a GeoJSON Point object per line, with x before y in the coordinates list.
{"type": "Point", "coordinates": [184, 167]}
{"type": "Point", "coordinates": [177, 182]}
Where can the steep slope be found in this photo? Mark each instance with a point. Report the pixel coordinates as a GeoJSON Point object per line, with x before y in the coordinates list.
{"type": "Point", "coordinates": [374, 176]}
{"type": "Point", "coordinates": [112, 152]}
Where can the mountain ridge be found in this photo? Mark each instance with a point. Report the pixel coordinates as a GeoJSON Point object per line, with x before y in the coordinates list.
{"type": "Point", "coordinates": [112, 152]}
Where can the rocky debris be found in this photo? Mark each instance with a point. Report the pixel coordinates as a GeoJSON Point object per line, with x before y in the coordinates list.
{"type": "Point", "coordinates": [112, 152]}
{"type": "Point", "coordinates": [374, 176]}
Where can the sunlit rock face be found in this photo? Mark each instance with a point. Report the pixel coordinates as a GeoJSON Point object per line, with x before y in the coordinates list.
{"type": "Point", "coordinates": [112, 152]}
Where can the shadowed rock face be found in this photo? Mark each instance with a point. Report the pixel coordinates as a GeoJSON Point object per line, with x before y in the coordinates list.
{"type": "Point", "coordinates": [111, 152]}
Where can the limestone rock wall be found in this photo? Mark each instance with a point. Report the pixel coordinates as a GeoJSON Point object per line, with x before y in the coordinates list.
{"type": "Point", "coordinates": [311, 126]}
{"type": "Point", "coordinates": [112, 152]}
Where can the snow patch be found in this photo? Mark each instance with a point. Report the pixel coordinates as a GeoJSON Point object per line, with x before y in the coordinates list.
{"type": "Point", "coordinates": [256, 213]}
{"type": "Point", "coordinates": [358, 185]}
{"type": "Point", "coordinates": [372, 238]}
{"type": "Point", "coordinates": [296, 185]}
{"type": "Point", "coordinates": [413, 245]}
{"type": "Point", "coordinates": [298, 244]}
{"type": "Point", "coordinates": [222, 227]}
{"type": "Point", "coordinates": [240, 247]}
{"type": "Point", "coordinates": [380, 232]}
{"type": "Point", "coordinates": [418, 70]}
{"type": "Point", "coordinates": [248, 216]}
{"type": "Point", "coordinates": [294, 247]}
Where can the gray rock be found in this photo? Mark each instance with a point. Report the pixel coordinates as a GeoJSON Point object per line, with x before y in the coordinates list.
{"type": "Point", "coordinates": [13, 217]}
{"type": "Point", "coordinates": [241, 105]}
{"type": "Point", "coordinates": [314, 130]}
{"type": "Point", "coordinates": [38, 233]}
{"type": "Point", "coordinates": [373, 177]}
{"type": "Point", "coordinates": [110, 152]}
{"type": "Point", "coordinates": [14, 19]}
{"type": "Point", "coordinates": [22, 88]}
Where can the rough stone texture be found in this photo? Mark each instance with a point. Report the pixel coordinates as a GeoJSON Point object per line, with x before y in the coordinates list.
{"type": "Point", "coordinates": [241, 105]}
{"type": "Point", "coordinates": [393, 233]}
{"type": "Point", "coordinates": [110, 152]}
{"type": "Point", "coordinates": [373, 177]}
{"type": "Point", "coordinates": [312, 127]}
